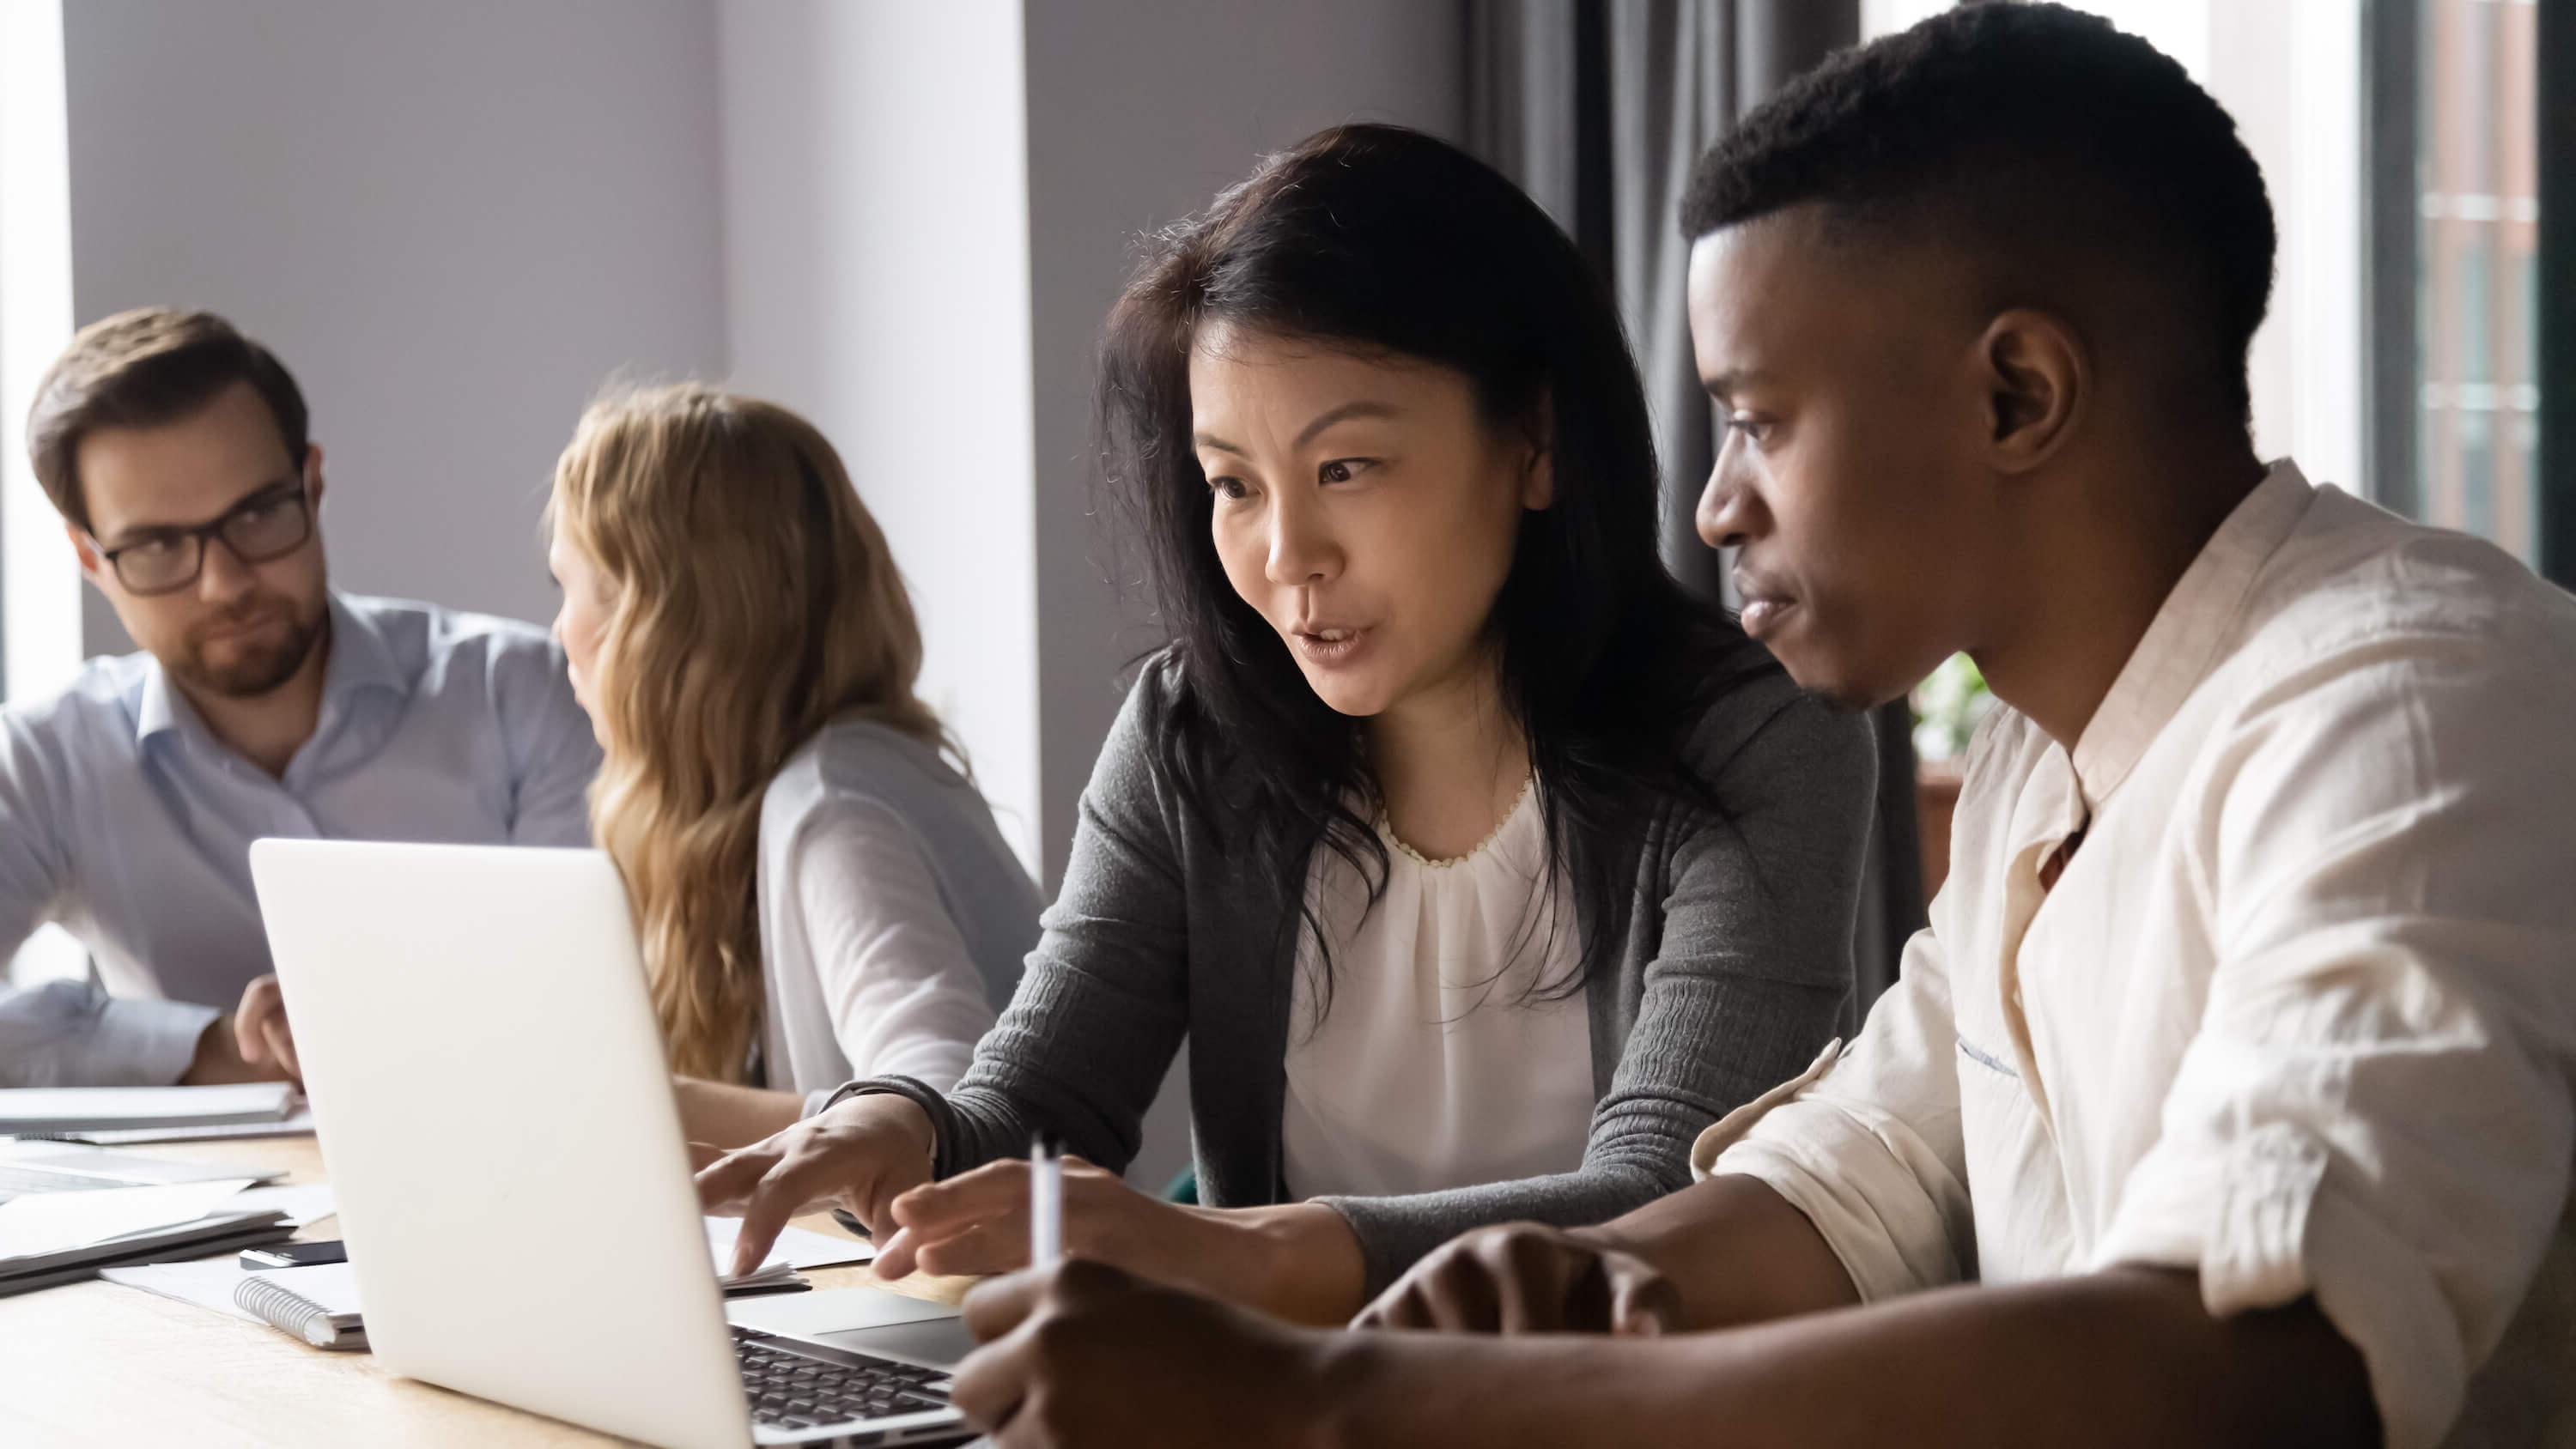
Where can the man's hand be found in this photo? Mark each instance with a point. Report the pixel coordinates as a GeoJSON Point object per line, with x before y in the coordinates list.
{"type": "Point", "coordinates": [259, 1029]}
{"type": "Point", "coordinates": [250, 1045]}
{"type": "Point", "coordinates": [1084, 1354]}
{"type": "Point", "coordinates": [858, 1154]}
{"type": "Point", "coordinates": [1525, 1278]}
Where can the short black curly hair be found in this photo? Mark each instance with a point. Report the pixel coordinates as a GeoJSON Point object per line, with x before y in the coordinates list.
{"type": "Point", "coordinates": [2037, 135]}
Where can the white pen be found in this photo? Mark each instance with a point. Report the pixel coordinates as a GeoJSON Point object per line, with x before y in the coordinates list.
{"type": "Point", "coordinates": [1046, 1204]}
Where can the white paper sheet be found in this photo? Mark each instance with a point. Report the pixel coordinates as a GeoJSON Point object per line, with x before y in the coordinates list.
{"type": "Point", "coordinates": [799, 1248]}
{"type": "Point", "coordinates": [299, 1123]}
{"type": "Point", "coordinates": [832, 1310]}
{"type": "Point", "coordinates": [302, 1202]}
{"type": "Point", "coordinates": [49, 1222]}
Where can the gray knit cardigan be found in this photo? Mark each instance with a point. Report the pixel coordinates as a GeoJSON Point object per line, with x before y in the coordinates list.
{"type": "Point", "coordinates": [1730, 967]}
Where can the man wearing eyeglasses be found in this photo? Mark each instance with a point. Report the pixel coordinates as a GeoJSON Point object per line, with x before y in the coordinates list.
{"type": "Point", "coordinates": [262, 704]}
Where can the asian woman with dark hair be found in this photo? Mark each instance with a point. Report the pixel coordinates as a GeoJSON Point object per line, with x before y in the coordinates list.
{"type": "Point", "coordinates": [1479, 866]}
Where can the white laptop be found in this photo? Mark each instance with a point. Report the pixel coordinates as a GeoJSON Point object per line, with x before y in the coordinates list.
{"type": "Point", "coordinates": [490, 1091]}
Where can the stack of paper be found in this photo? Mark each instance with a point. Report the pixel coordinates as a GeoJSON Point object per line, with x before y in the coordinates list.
{"type": "Point", "coordinates": [298, 1123]}
{"type": "Point", "coordinates": [774, 1276]}
{"type": "Point", "coordinates": [43, 1165]}
{"type": "Point", "coordinates": [795, 1249]}
{"type": "Point", "coordinates": [128, 1111]}
{"type": "Point", "coordinates": [62, 1237]}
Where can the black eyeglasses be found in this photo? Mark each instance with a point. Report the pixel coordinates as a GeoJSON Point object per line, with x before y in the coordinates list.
{"type": "Point", "coordinates": [267, 525]}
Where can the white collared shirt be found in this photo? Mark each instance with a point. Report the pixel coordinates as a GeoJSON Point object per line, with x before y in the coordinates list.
{"type": "Point", "coordinates": [2299, 1015]}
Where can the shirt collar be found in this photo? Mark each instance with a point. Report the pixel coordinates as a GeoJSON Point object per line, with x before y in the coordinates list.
{"type": "Point", "coordinates": [360, 661]}
{"type": "Point", "coordinates": [2181, 643]}
{"type": "Point", "coordinates": [162, 709]}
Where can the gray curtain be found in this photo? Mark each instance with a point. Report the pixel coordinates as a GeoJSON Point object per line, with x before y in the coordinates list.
{"type": "Point", "coordinates": [1598, 108]}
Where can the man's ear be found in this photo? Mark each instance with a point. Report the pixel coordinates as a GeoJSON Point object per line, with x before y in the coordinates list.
{"type": "Point", "coordinates": [91, 565]}
{"type": "Point", "coordinates": [2037, 381]}
{"type": "Point", "coordinates": [313, 473]}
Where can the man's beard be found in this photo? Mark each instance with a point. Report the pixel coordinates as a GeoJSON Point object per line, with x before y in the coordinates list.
{"type": "Point", "coordinates": [251, 669]}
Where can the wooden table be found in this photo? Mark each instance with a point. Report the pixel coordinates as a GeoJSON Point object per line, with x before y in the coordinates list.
{"type": "Point", "coordinates": [98, 1364]}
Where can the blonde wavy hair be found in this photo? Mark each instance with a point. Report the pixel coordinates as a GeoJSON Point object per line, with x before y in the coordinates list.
{"type": "Point", "coordinates": [752, 600]}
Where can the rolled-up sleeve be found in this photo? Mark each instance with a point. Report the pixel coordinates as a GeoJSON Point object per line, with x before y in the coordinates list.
{"type": "Point", "coordinates": [67, 1033]}
{"type": "Point", "coordinates": [2376, 1109]}
{"type": "Point", "coordinates": [34, 866]}
{"type": "Point", "coordinates": [1867, 1141]}
{"type": "Point", "coordinates": [73, 1034]}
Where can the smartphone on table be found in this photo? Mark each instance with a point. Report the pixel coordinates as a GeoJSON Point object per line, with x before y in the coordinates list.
{"type": "Point", "coordinates": [294, 1255]}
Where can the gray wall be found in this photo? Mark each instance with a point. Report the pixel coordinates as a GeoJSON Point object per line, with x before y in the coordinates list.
{"type": "Point", "coordinates": [451, 220]}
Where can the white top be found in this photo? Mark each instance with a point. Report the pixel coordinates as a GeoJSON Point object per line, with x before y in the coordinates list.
{"type": "Point", "coordinates": [1430, 1071]}
{"type": "Point", "coordinates": [2299, 1014]}
{"type": "Point", "coordinates": [893, 917]}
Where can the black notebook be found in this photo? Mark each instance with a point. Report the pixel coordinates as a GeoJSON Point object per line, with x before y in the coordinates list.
{"type": "Point", "coordinates": [215, 1233]}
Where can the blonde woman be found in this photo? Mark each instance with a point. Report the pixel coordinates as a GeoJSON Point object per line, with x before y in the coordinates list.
{"type": "Point", "coordinates": [820, 892]}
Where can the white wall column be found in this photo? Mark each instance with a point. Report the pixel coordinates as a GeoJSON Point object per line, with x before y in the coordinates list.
{"type": "Point", "coordinates": [877, 280]}
{"type": "Point", "coordinates": [40, 585]}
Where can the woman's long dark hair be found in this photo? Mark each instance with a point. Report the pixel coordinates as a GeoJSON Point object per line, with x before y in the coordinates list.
{"type": "Point", "coordinates": [1383, 240]}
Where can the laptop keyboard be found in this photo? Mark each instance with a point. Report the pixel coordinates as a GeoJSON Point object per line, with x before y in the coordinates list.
{"type": "Point", "coordinates": [790, 1390]}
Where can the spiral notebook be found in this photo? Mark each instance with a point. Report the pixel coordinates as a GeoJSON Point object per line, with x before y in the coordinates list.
{"type": "Point", "coordinates": [318, 1304]}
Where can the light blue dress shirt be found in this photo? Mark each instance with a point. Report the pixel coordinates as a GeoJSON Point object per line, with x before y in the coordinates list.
{"type": "Point", "coordinates": [125, 821]}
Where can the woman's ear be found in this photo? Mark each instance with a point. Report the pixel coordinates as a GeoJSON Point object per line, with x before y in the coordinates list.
{"type": "Point", "coordinates": [1538, 485]}
{"type": "Point", "coordinates": [1538, 462]}
{"type": "Point", "coordinates": [2037, 379]}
